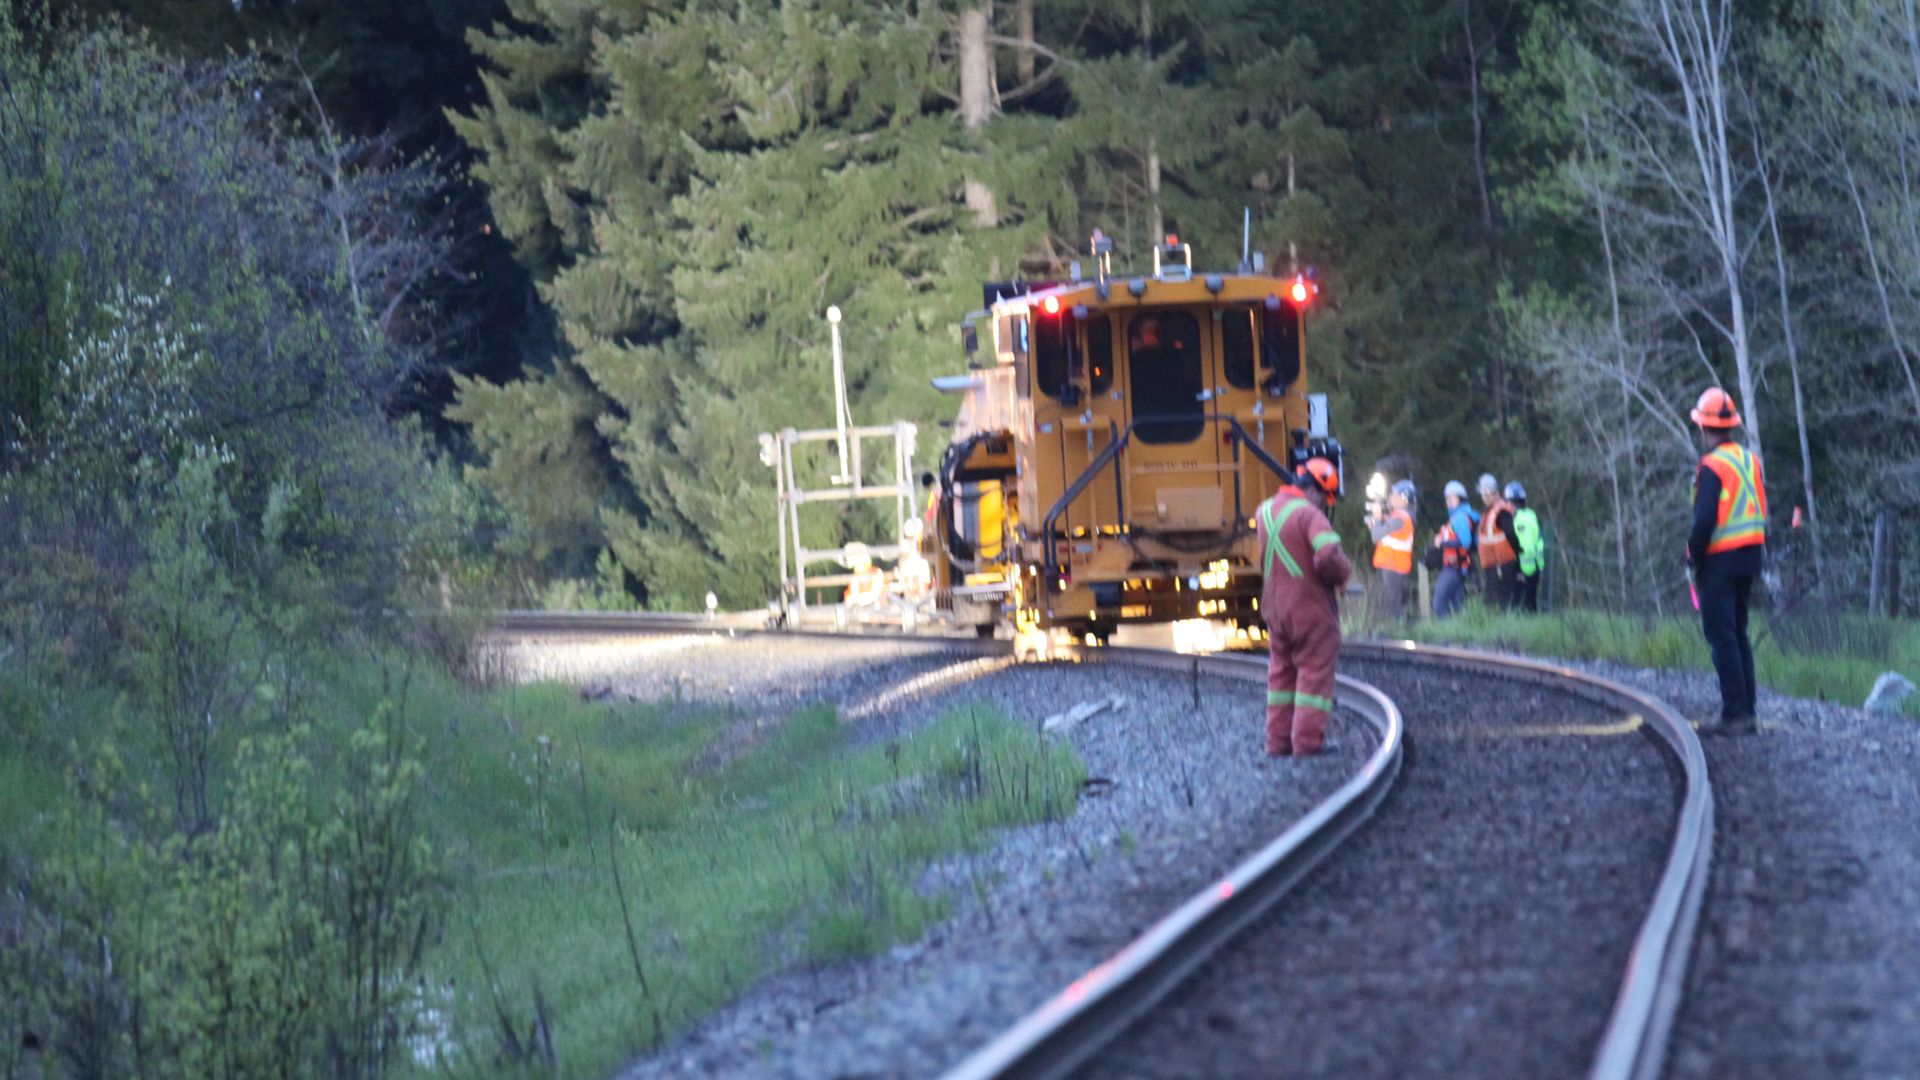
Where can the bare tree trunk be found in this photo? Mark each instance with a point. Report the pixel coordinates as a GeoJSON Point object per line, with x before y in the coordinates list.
{"type": "Point", "coordinates": [1156, 222]}
{"type": "Point", "coordinates": [1695, 42]}
{"type": "Point", "coordinates": [976, 104]}
{"type": "Point", "coordinates": [1023, 61]}
{"type": "Point", "coordinates": [1793, 361]}
{"type": "Point", "coordinates": [1880, 282]}
{"type": "Point", "coordinates": [1293, 247]}
{"type": "Point", "coordinates": [1486, 203]}
{"type": "Point", "coordinates": [1157, 228]}
{"type": "Point", "coordinates": [349, 261]}
{"type": "Point", "coordinates": [1620, 363]}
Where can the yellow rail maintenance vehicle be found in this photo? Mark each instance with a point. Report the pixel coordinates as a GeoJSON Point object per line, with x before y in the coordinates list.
{"type": "Point", "coordinates": [1115, 437]}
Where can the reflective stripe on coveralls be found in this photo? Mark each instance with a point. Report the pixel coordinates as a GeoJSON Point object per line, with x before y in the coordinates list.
{"type": "Point", "coordinates": [1302, 553]}
{"type": "Point", "coordinates": [1308, 701]}
{"type": "Point", "coordinates": [1274, 547]}
{"type": "Point", "coordinates": [1526, 525]}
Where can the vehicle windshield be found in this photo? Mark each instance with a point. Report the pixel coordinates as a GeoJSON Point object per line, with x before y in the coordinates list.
{"type": "Point", "coordinates": [1165, 376]}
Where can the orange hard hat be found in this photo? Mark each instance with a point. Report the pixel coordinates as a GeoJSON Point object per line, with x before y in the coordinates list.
{"type": "Point", "coordinates": [1715, 410]}
{"type": "Point", "coordinates": [1319, 470]}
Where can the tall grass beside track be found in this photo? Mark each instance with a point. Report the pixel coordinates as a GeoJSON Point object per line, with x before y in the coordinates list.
{"type": "Point", "coordinates": [1824, 655]}
{"type": "Point", "coordinates": [800, 848]}
{"type": "Point", "coordinates": [608, 873]}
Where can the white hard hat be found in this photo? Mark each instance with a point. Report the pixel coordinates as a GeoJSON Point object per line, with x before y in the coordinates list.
{"type": "Point", "coordinates": [1488, 483]}
{"type": "Point", "coordinates": [855, 557]}
{"type": "Point", "coordinates": [1456, 489]}
{"type": "Point", "coordinates": [910, 528]}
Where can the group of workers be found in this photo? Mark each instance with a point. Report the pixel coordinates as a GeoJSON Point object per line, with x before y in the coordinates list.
{"type": "Point", "coordinates": [1504, 540]}
{"type": "Point", "coordinates": [1306, 570]}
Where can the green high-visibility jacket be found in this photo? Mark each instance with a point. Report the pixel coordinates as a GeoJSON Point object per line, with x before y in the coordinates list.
{"type": "Point", "coordinates": [1526, 526]}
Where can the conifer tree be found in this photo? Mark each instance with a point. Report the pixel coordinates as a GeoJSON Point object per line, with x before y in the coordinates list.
{"type": "Point", "coordinates": [743, 168]}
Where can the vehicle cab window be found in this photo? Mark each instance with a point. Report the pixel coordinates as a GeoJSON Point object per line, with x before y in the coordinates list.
{"type": "Point", "coordinates": [1280, 346]}
{"type": "Point", "coordinates": [1236, 347]}
{"type": "Point", "coordinates": [1100, 352]}
{"type": "Point", "coordinates": [1050, 354]}
{"type": "Point", "coordinates": [1165, 376]}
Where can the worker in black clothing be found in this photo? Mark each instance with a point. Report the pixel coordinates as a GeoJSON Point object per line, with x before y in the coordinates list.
{"type": "Point", "coordinates": [1726, 549]}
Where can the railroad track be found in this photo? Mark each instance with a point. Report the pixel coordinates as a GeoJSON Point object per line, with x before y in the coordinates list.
{"type": "Point", "coordinates": [1610, 1024]}
{"type": "Point", "coordinates": [1378, 966]}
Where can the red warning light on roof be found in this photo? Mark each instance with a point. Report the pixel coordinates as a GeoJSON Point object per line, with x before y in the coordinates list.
{"type": "Point", "coordinates": [1300, 290]}
{"type": "Point", "coordinates": [1050, 305]}
{"type": "Point", "coordinates": [1172, 240]}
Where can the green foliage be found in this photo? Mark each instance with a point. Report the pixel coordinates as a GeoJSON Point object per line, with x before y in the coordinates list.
{"type": "Point", "coordinates": [186, 268]}
{"type": "Point", "coordinates": [742, 848]}
{"type": "Point", "coordinates": [695, 185]}
{"type": "Point", "coordinates": [187, 619]}
{"type": "Point", "coordinates": [1827, 655]}
{"type": "Point", "coordinates": [275, 945]}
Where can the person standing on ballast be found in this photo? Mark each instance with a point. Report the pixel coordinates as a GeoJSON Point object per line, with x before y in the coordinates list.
{"type": "Point", "coordinates": [1727, 548]}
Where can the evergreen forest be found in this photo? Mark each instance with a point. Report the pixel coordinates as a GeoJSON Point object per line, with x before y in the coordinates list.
{"type": "Point", "coordinates": [329, 330]}
{"type": "Point", "coordinates": [1541, 228]}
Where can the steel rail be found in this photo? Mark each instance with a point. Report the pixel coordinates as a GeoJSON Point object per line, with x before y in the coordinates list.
{"type": "Point", "coordinates": [733, 624]}
{"type": "Point", "coordinates": [1101, 1003]}
{"type": "Point", "coordinates": [1634, 1044]}
{"type": "Point", "coordinates": [1094, 1008]}
{"type": "Point", "coordinates": [1070, 1027]}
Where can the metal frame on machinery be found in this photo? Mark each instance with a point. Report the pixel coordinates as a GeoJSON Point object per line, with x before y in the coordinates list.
{"type": "Point", "coordinates": [776, 451]}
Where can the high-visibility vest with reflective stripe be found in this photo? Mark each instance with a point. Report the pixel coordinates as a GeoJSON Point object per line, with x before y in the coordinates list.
{"type": "Point", "coordinates": [1741, 518]}
{"type": "Point", "coordinates": [1290, 500]}
{"type": "Point", "coordinates": [1394, 551]}
{"type": "Point", "coordinates": [1526, 525]}
{"type": "Point", "coordinates": [1494, 549]}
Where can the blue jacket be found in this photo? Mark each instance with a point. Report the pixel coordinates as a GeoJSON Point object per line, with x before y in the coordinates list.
{"type": "Point", "coordinates": [1463, 519]}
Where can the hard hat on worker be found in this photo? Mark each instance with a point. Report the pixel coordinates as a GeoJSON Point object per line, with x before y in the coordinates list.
{"type": "Point", "coordinates": [1488, 483]}
{"type": "Point", "coordinates": [1320, 472]}
{"type": "Point", "coordinates": [1715, 409]}
{"type": "Point", "coordinates": [1456, 490]}
{"type": "Point", "coordinates": [1405, 489]}
{"type": "Point", "coordinates": [1516, 493]}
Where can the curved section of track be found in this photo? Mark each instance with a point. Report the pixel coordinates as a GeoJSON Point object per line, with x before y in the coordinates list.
{"type": "Point", "coordinates": [1535, 852]}
{"type": "Point", "coordinates": [1634, 1044]}
{"type": "Point", "coordinates": [1100, 1004]}
{"type": "Point", "coordinates": [1520, 967]}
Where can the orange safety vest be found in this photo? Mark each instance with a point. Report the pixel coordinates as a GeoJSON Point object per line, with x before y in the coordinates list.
{"type": "Point", "coordinates": [1450, 555]}
{"type": "Point", "coordinates": [1741, 518]}
{"type": "Point", "coordinates": [1394, 551]}
{"type": "Point", "coordinates": [1494, 549]}
{"type": "Point", "coordinates": [867, 587]}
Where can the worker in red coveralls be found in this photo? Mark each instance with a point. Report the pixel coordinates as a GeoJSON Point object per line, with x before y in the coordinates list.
{"type": "Point", "coordinates": [1304, 567]}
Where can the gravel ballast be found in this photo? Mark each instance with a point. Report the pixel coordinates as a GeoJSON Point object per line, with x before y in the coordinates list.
{"type": "Point", "coordinates": [1179, 793]}
{"type": "Point", "coordinates": [1477, 927]}
{"type": "Point", "coordinates": [1805, 959]}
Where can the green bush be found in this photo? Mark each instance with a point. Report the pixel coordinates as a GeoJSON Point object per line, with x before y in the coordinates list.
{"type": "Point", "coordinates": [272, 946]}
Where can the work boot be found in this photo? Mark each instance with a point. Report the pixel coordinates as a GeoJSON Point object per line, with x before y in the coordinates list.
{"type": "Point", "coordinates": [1724, 725]}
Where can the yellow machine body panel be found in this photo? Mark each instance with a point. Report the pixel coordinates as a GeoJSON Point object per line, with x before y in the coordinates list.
{"type": "Point", "coordinates": [1146, 419]}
